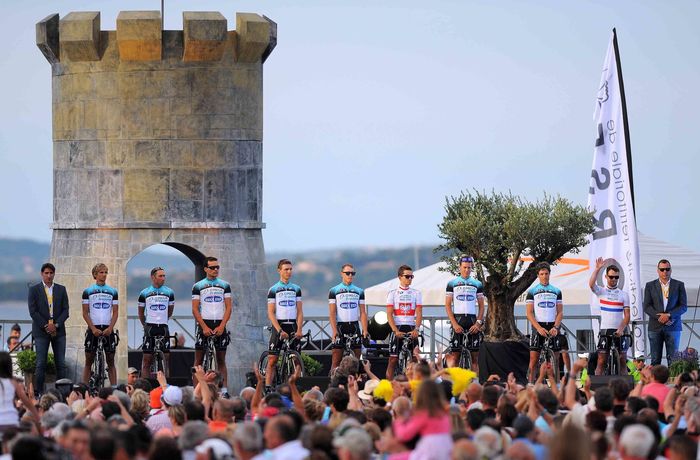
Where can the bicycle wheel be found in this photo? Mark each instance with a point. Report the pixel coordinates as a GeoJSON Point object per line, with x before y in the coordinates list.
{"type": "Point", "coordinates": [262, 362]}
{"type": "Point", "coordinates": [209, 362]}
{"type": "Point", "coordinates": [287, 368]}
{"type": "Point", "coordinates": [614, 359]}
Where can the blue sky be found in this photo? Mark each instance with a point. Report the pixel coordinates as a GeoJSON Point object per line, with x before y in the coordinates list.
{"type": "Point", "coordinates": [376, 110]}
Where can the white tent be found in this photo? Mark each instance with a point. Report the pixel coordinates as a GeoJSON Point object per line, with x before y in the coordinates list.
{"type": "Point", "coordinates": [570, 275]}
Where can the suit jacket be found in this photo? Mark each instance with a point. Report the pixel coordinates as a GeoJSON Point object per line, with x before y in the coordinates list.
{"type": "Point", "coordinates": [39, 309]}
{"type": "Point", "coordinates": [654, 303]}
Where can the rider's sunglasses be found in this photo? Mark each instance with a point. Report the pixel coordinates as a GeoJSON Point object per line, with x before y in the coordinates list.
{"type": "Point", "coordinates": [408, 277]}
{"type": "Point", "coordinates": [614, 277]}
{"type": "Point", "coordinates": [349, 273]}
{"type": "Point", "coordinates": [214, 267]}
{"type": "Point", "coordinates": [665, 269]}
{"type": "Point", "coordinates": [466, 259]}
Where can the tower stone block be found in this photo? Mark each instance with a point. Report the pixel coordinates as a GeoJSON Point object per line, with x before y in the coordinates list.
{"type": "Point", "coordinates": [139, 35]}
{"type": "Point", "coordinates": [157, 138]}
{"type": "Point", "coordinates": [79, 35]}
{"type": "Point", "coordinates": [205, 35]}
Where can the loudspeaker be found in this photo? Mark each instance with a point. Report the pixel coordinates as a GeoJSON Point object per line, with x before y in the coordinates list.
{"type": "Point", "coordinates": [306, 383]}
{"type": "Point", "coordinates": [598, 381]}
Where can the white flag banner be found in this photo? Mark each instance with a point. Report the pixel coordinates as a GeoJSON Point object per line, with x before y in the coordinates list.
{"type": "Point", "coordinates": [614, 237]}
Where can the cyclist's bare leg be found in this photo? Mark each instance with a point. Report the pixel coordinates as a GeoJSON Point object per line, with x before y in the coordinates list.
{"type": "Point", "coordinates": [89, 359]}
{"type": "Point", "coordinates": [534, 357]}
{"type": "Point", "coordinates": [393, 360]}
{"type": "Point", "coordinates": [198, 357]}
{"type": "Point", "coordinates": [602, 357]}
{"type": "Point", "coordinates": [567, 360]}
{"type": "Point", "coordinates": [623, 363]}
{"type": "Point", "coordinates": [146, 365]}
{"type": "Point", "coordinates": [111, 369]}
{"type": "Point", "coordinates": [452, 358]}
{"type": "Point", "coordinates": [270, 372]}
{"type": "Point", "coordinates": [221, 366]}
{"type": "Point", "coordinates": [336, 357]}
{"type": "Point", "coordinates": [475, 361]}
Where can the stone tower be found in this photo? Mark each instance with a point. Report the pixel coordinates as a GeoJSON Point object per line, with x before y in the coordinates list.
{"type": "Point", "coordinates": [157, 138]}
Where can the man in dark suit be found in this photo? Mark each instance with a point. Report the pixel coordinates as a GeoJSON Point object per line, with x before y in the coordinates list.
{"type": "Point", "coordinates": [664, 301]}
{"type": "Point", "coordinates": [48, 307]}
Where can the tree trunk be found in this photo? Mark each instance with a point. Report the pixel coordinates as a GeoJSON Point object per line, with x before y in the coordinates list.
{"type": "Point", "coordinates": [500, 318]}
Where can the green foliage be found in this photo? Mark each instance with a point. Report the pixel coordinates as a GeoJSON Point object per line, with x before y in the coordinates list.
{"type": "Point", "coordinates": [26, 361]}
{"type": "Point", "coordinates": [499, 229]}
{"type": "Point", "coordinates": [683, 362]}
{"type": "Point", "coordinates": [311, 365]}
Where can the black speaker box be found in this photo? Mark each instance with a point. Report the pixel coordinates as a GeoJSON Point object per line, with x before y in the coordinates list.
{"type": "Point", "coordinates": [598, 381]}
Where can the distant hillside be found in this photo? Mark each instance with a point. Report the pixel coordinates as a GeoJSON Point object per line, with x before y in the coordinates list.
{"type": "Point", "coordinates": [315, 271]}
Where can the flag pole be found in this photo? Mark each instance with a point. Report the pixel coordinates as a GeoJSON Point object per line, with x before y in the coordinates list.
{"type": "Point", "coordinates": [625, 123]}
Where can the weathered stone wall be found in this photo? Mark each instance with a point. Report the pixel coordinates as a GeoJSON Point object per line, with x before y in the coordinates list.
{"type": "Point", "coordinates": [158, 139]}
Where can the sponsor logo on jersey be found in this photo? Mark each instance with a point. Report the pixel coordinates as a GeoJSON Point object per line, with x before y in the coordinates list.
{"type": "Point", "coordinates": [214, 298]}
{"type": "Point", "coordinates": [348, 305]}
{"type": "Point", "coordinates": [158, 306]}
{"type": "Point", "coordinates": [461, 297]}
{"type": "Point", "coordinates": [546, 304]}
{"type": "Point", "coordinates": [104, 305]}
{"type": "Point", "coordinates": [287, 303]}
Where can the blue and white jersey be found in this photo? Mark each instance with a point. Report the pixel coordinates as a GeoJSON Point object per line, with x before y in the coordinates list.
{"type": "Point", "coordinates": [285, 297]}
{"type": "Point", "coordinates": [156, 302]}
{"type": "Point", "coordinates": [211, 295]}
{"type": "Point", "coordinates": [100, 300]}
{"type": "Point", "coordinates": [545, 300]}
{"type": "Point", "coordinates": [464, 293]}
{"type": "Point", "coordinates": [347, 298]}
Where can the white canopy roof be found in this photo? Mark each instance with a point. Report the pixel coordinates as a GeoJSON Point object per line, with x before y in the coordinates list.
{"type": "Point", "coordinates": [570, 275]}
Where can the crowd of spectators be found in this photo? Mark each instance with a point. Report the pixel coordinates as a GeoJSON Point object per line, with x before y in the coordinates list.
{"type": "Point", "coordinates": [429, 413]}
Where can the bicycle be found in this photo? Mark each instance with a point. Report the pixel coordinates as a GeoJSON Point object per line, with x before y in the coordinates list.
{"type": "Point", "coordinates": [547, 354]}
{"type": "Point", "coordinates": [99, 365]}
{"type": "Point", "coordinates": [612, 367]}
{"type": "Point", "coordinates": [158, 363]}
{"type": "Point", "coordinates": [406, 353]}
{"type": "Point", "coordinates": [465, 354]}
{"type": "Point", "coordinates": [209, 359]}
{"type": "Point", "coordinates": [287, 360]}
{"type": "Point", "coordinates": [350, 340]}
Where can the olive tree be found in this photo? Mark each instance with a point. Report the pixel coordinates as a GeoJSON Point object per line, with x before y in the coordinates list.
{"type": "Point", "coordinates": [499, 230]}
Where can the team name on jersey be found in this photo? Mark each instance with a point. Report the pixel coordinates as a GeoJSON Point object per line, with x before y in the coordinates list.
{"type": "Point", "coordinates": [545, 300]}
{"type": "Point", "coordinates": [100, 300]}
{"type": "Point", "coordinates": [156, 301]}
{"type": "Point", "coordinates": [347, 299]}
{"type": "Point", "coordinates": [211, 295]}
{"type": "Point", "coordinates": [285, 298]}
{"type": "Point", "coordinates": [464, 293]}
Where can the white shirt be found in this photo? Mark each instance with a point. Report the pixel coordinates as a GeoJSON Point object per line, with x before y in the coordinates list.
{"type": "Point", "coordinates": [292, 450]}
{"type": "Point", "coordinates": [404, 302]}
{"type": "Point", "coordinates": [612, 303]}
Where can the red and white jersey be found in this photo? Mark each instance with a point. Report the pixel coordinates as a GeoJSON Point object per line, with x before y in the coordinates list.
{"type": "Point", "coordinates": [612, 303]}
{"type": "Point", "coordinates": [403, 302]}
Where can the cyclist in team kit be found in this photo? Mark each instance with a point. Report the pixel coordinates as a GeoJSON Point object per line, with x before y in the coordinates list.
{"type": "Point", "coordinates": [211, 308]}
{"type": "Point", "coordinates": [545, 310]}
{"type": "Point", "coordinates": [346, 304]}
{"type": "Point", "coordinates": [100, 312]}
{"type": "Point", "coordinates": [156, 304]}
{"type": "Point", "coordinates": [284, 310]}
{"type": "Point", "coordinates": [614, 306]}
{"type": "Point", "coordinates": [404, 307]}
{"type": "Point", "coordinates": [462, 296]}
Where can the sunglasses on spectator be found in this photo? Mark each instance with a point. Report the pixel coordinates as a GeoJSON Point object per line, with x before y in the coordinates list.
{"type": "Point", "coordinates": [665, 269]}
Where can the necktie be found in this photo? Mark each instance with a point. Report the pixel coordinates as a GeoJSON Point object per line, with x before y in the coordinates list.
{"type": "Point", "coordinates": [49, 298]}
